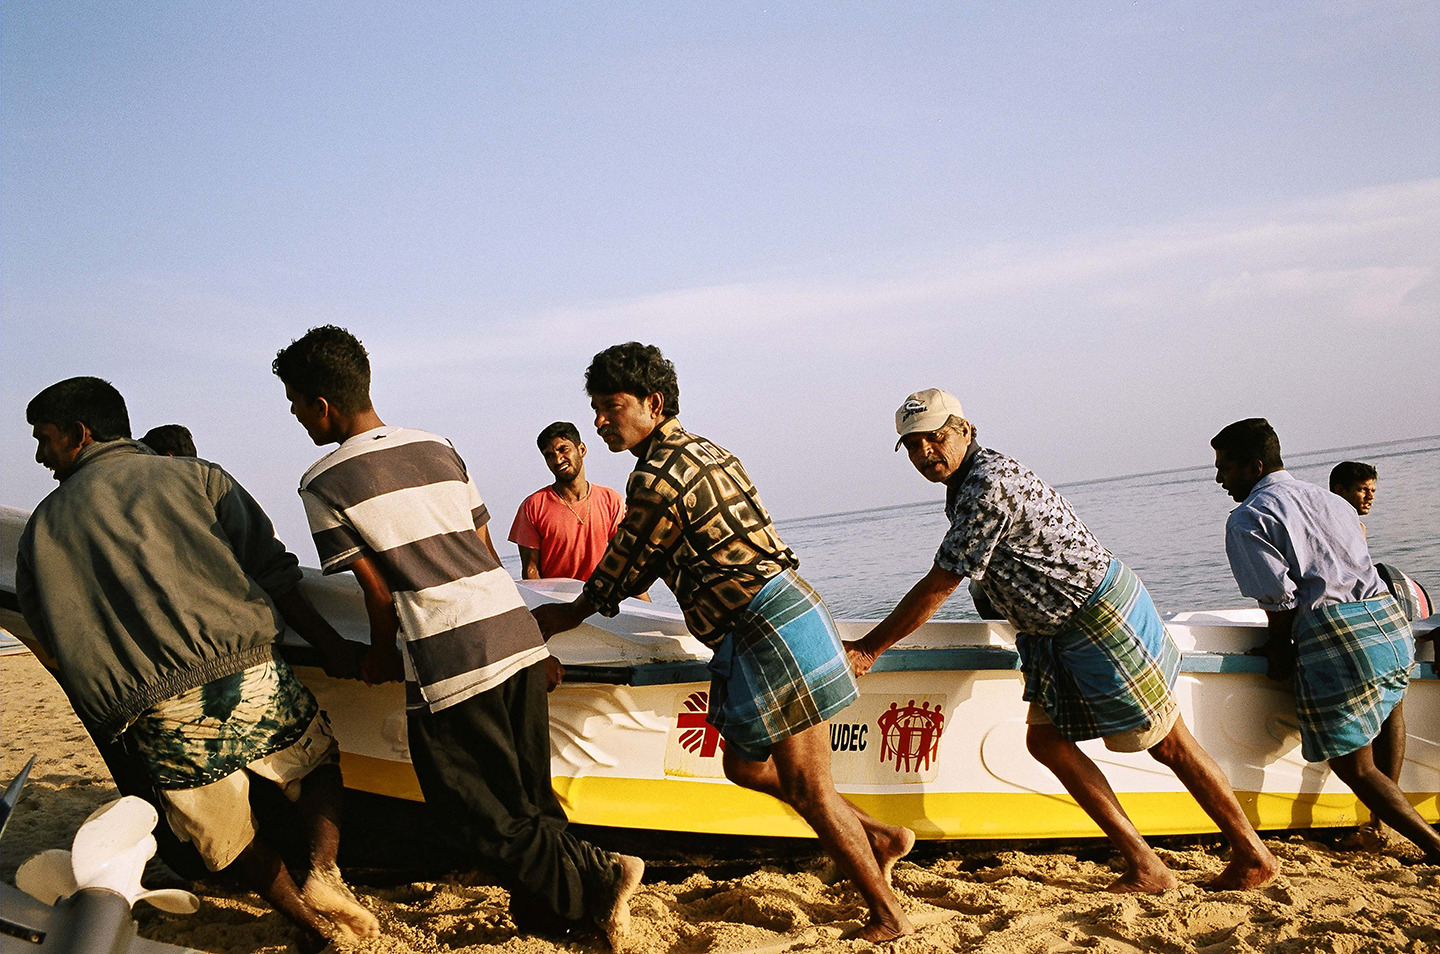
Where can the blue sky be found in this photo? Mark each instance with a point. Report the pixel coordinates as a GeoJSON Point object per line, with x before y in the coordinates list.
{"type": "Point", "coordinates": [1109, 228]}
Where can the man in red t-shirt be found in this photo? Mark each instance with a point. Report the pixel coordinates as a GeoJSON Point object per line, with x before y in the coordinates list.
{"type": "Point", "coordinates": [563, 530]}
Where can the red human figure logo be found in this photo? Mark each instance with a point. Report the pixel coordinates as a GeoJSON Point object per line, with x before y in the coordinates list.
{"type": "Point", "coordinates": [697, 735]}
{"type": "Point", "coordinates": [911, 735]}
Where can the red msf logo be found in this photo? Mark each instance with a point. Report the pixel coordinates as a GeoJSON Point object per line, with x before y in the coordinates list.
{"type": "Point", "coordinates": [697, 735]}
{"type": "Point", "coordinates": [910, 735]}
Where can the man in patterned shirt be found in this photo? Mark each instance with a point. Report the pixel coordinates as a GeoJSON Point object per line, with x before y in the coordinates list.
{"type": "Point", "coordinates": [779, 673]}
{"type": "Point", "coordinates": [1098, 662]}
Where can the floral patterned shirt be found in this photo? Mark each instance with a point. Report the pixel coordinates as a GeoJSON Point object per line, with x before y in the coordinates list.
{"type": "Point", "coordinates": [1015, 536]}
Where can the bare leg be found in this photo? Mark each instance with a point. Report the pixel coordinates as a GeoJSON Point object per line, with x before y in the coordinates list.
{"type": "Point", "coordinates": [1388, 749]}
{"type": "Point", "coordinates": [325, 890]}
{"type": "Point", "coordinates": [1251, 863]}
{"type": "Point", "coordinates": [1383, 797]}
{"type": "Point", "coordinates": [802, 765]}
{"type": "Point", "coordinates": [1082, 778]}
{"type": "Point", "coordinates": [262, 870]}
{"type": "Point", "coordinates": [890, 843]}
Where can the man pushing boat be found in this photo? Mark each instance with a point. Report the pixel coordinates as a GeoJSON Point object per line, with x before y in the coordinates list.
{"type": "Point", "coordinates": [1097, 659]}
{"type": "Point", "coordinates": [1299, 551]}
{"type": "Point", "coordinates": [779, 672]}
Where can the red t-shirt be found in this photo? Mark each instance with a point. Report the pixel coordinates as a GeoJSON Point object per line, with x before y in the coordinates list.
{"type": "Point", "coordinates": [571, 538]}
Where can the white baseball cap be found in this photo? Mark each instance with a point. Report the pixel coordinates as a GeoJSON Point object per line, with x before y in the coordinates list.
{"type": "Point", "coordinates": [926, 410]}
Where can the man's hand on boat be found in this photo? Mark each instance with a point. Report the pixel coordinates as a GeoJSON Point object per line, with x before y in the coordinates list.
{"type": "Point", "coordinates": [342, 660]}
{"type": "Point", "coordinates": [913, 610]}
{"type": "Point", "coordinates": [341, 656]}
{"type": "Point", "coordinates": [1279, 646]}
{"type": "Point", "coordinates": [555, 618]}
{"type": "Point", "coordinates": [554, 673]}
{"type": "Point", "coordinates": [860, 660]}
{"type": "Point", "coordinates": [1279, 656]}
{"type": "Point", "coordinates": [382, 664]}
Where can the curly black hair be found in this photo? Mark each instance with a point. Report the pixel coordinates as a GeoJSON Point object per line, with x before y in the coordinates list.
{"type": "Point", "coordinates": [327, 362]}
{"type": "Point", "coordinates": [90, 401]}
{"type": "Point", "coordinates": [634, 368]}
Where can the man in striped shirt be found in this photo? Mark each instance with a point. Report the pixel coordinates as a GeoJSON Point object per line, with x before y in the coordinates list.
{"type": "Point", "coordinates": [397, 508]}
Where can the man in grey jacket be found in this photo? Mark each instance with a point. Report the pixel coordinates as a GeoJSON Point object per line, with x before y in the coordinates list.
{"type": "Point", "coordinates": [156, 590]}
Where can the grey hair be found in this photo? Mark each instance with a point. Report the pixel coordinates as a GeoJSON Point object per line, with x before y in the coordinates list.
{"type": "Point", "coordinates": [953, 422]}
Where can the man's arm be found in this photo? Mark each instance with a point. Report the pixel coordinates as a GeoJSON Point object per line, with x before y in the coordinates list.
{"type": "Point", "coordinates": [342, 656]}
{"type": "Point", "coordinates": [1279, 646]}
{"type": "Point", "coordinates": [529, 563]}
{"type": "Point", "coordinates": [917, 606]}
{"type": "Point", "coordinates": [631, 562]}
{"type": "Point", "coordinates": [559, 617]}
{"type": "Point", "coordinates": [41, 642]}
{"type": "Point", "coordinates": [382, 662]}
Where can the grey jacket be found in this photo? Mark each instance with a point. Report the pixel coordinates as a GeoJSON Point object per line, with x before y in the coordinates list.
{"type": "Point", "coordinates": [146, 576]}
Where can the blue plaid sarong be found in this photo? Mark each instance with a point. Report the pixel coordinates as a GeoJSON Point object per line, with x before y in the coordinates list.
{"type": "Point", "coordinates": [1109, 669]}
{"type": "Point", "coordinates": [1352, 665]}
{"type": "Point", "coordinates": [780, 669]}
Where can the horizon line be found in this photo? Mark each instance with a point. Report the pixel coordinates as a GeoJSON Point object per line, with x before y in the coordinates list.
{"type": "Point", "coordinates": [1103, 480]}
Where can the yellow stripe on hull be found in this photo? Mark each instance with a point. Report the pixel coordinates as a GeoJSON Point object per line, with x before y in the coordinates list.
{"type": "Point", "coordinates": [722, 808]}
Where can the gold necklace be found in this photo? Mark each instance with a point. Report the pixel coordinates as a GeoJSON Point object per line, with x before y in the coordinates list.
{"type": "Point", "coordinates": [575, 513]}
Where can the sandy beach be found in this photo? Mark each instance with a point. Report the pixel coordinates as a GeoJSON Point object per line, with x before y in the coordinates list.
{"type": "Point", "coordinates": [994, 897]}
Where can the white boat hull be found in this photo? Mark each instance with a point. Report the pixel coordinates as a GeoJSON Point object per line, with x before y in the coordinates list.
{"type": "Point", "coordinates": [936, 740]}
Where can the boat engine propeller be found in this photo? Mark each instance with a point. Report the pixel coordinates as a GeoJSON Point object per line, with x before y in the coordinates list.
{"type": "Point", "coordinates": [85, 894]}
{"type": "Point", "coordinates": [109, 851]}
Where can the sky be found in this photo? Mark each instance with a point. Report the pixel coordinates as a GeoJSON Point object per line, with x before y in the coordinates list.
{"type": "Point", "coordinates": [1108, 228]}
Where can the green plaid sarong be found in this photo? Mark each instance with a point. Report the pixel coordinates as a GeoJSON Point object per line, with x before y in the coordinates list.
{"type": "Point", "coordinates": [217, 728]}
{"type": "Point", "coordinates": [1352, 666]}
{"type": "Point", "coordinates": [1110, 668]}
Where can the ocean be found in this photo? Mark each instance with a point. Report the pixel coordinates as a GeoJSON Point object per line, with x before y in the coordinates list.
{"type": "Point", "coordinates": [1169, 527]}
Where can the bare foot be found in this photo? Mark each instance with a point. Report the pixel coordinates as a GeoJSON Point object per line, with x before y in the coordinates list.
{"type": "Point", "coordinates": [1149, 881]}
{"type": "Point", "coordinates": [325, 891]}
{"type": "Point", "coordinates": [1243, 873]}
{"type": "Point", "coordinates": [891, 848]}
{"type": "Point", "coordinates": [616, 921]}
{"type": "Point", "coordinates": [882, 930]}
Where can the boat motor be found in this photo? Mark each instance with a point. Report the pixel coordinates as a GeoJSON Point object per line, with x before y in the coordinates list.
{"type": "Point", "coordinates": [79, 901]}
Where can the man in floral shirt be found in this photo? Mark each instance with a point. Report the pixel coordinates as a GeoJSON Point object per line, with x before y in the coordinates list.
{"type": "Point", "coordinates": [1098, 662]}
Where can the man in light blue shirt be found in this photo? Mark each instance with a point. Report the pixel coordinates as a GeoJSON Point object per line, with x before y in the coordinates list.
{"type": "Point", "coordinates": [1298, 550]}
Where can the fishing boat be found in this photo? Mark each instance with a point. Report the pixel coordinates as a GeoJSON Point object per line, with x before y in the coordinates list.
{"type": "Point", "coordinates": [936, 740]}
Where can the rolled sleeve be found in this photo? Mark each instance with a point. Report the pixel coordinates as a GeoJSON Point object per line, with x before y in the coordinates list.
{"type": "Point", "coordinates": [337, 543]}
{"type": "Point", "coordinates": [636, 554]}
{"type": "Point", "coordinates": [479, 513]}
{"type": "Point", "coordinates": [1260, 568]}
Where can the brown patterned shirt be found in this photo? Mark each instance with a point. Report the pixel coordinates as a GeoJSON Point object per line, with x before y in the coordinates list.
{"type": "Point", "coordinates": [693, 519]}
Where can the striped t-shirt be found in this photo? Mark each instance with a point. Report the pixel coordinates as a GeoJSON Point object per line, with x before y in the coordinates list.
{"type": "Point", "coordinates": [404, 499]}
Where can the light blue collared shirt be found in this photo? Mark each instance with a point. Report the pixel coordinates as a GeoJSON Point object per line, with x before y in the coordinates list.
{"type": "Point", "coordinates": [1293, 545]}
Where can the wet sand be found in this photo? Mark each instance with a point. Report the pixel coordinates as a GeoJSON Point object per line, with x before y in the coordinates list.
{"type": "Point", "coordinates": [992, 898]}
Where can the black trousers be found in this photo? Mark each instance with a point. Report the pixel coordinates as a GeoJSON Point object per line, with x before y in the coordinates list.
{"type": "Point", "coordinates": [484, 764]}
